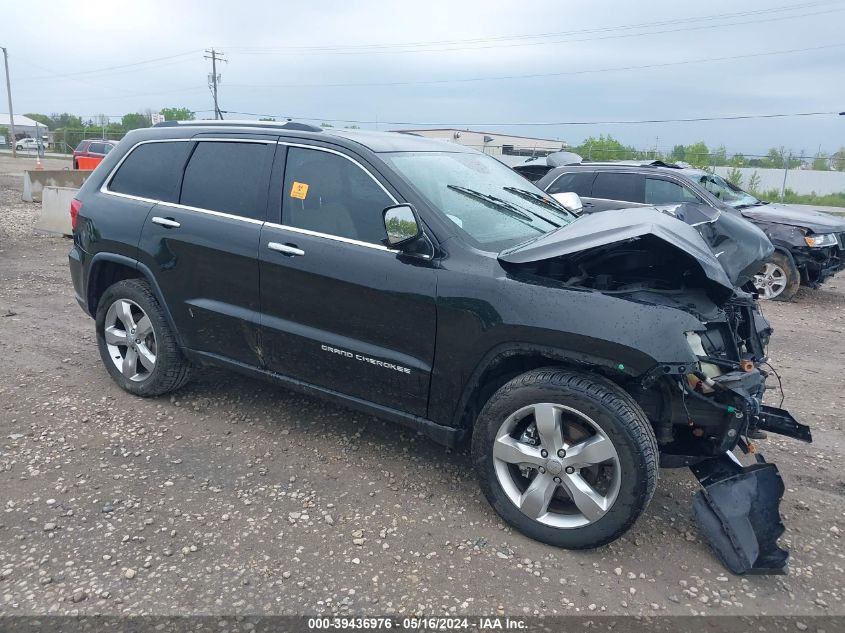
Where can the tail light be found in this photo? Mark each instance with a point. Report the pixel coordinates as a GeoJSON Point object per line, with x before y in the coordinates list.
{"type": "Point", "coordinates": [75, 206]}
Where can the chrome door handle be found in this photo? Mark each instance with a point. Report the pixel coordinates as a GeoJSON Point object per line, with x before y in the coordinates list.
{"type": "Point", "coordinates": [166, 222]}
{"type": "Point", "coordinates": [285, 249]}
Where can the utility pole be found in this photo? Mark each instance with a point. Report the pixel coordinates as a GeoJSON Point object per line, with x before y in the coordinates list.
{"type": "Point", "coordinates": [214, 78]}
{"type": "Point", "coordinates": [13, 140]}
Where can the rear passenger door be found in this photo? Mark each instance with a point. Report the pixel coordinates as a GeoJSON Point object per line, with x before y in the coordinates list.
{"type": "Point", "coordinates": [203, 246]}
{"type": "Point", "coordinates": [339, 309]}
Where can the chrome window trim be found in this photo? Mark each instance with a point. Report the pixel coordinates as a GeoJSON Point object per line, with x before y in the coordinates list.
{"type": "Point", "coordinates": [221, 214]}
{"type": "Point", "coordinates": [104, 188]}
{"type": "Point", "coordinates": [347, 157]}
{"type": "Point", "coordinates": [337, 238]}
{"type": "Point", "coordinates": [346, 240]}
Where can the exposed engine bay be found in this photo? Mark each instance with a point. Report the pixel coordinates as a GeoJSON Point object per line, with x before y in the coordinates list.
{"type": "Point", "coordinates": [699, 412]}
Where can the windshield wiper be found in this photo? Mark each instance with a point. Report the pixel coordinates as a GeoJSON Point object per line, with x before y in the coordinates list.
{"type": "Point", "coordinates": [537, 197]}
{"type": "Point", "coordinates": [493, 201]}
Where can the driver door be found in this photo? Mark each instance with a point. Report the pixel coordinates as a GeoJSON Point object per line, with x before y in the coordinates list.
{"type": "Point", "coordinates": [339, 310]}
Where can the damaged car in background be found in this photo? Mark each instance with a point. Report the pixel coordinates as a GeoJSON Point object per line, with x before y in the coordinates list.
{"type": "Point", "coordinates": [578, 354]}
{"type": "Point", "coordinates": [809, 245]}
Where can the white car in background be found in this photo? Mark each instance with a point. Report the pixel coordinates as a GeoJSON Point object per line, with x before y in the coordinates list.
{"type": "Point", "coordinates": [26, 143]}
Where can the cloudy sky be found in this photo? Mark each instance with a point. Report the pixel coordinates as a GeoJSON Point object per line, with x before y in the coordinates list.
{"type": "Point", "coordinates": [481, 64]}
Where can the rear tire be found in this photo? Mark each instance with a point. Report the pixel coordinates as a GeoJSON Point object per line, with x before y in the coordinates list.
{"type": "Point", "coordinates": [779, 279]}
{"type": "Point", "coordinates": [551, 487]}
{"type": "Point", "coordinates": [137, 346]}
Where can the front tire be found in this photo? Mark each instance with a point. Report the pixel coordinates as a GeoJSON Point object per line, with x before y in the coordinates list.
{"type": "Point", "coordinates": [137, 346]}
{"type": "Point", "coordinates": [779, 279]}
{"type": "Point", "coordinates": [566, 458]}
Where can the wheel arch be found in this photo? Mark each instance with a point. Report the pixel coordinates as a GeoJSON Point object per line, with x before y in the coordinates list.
{"type": "Point", "coordinates": [503, 363]}
{"type": "Point", "coordinates": [107, 269]}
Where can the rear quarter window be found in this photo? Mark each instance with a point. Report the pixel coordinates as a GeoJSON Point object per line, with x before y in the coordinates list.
{"type": "Point", "coordinates": [152, 170]}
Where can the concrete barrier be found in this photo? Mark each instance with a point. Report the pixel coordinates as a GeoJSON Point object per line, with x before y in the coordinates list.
{"type": "Point", "coordinates": [55, 210]}
{"type": "Point", "coordinates": [34, 181]}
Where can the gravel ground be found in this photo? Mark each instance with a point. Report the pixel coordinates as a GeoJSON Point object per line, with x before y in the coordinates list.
{"type": "Point", "coordinates": [234, 496]}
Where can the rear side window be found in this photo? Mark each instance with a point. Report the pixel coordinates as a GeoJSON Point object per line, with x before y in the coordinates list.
{"type": "Point", "coordinates": [578, 182]}
{"type": "Point", "coordinates": [81, 146]}
{"type": "Point", "coordinates": [228, 177]}
{"type": "Point", "coordinates": [152, 170]}
{"type": "Point", "coordinates": [658, 191]}
{"type": "Point", "coordinates": [616, 186]}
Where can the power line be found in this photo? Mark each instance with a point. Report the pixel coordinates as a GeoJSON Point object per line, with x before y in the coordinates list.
{"type": "Point", "coordinates": [109, 69]}
{"type": "Point", "coordinates": [738, 117]}
{"type": "Point", "coordinates": [540, 75]}
{"type": "Point", "coordinates": [504, 41]}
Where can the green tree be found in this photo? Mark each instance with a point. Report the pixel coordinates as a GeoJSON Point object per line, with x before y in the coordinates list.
{"type": "Point", "coordinates": [698, 155]}
{"type": "Point", "coordinates": [267, 118]}
{"type": "Point", "coordinates": [135, 120]}
{"type": "Point", "coordinates": [43, 119]}
{"type": "Point", "coordinates": [177, 114]}
{"type": "Point", "coordinates": [737, 160]}
{"type": "Point", "coordinates": [66, 120]}
{"type": "Point", "coordinates": [679, 153]}
{"type": "Point", "coordinates": [734, 176]}
{"type": "Point", "coordinates": [821, 162]}
{"type": "Point", "coordinates": [324, 124]}
{"type": "Point", "coordinates": [604, 148]}
{"type": "Point", "coordinates": [837, 161]}
{"type": "Point", "coordinates": [754, 182]}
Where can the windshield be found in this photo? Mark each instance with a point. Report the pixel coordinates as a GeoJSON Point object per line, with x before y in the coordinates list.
{"type": "Point", "coordinates": [491, 205]}
{"type": "Point", "coordinates": [727, 192]}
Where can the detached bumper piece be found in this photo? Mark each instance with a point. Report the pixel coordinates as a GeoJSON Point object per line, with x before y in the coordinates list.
{"type": "Point", "coordinates": [738, 511]}
{"type": "Point", "coordinates": [781, 422]}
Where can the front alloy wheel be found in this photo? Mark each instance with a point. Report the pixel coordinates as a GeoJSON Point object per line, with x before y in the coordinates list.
{"type": "Point", "coordinates": [567, 458]}
{"type": "Point", "coordinates": [556, 465]}
{"type": "Point", "coordinates": [771, 281]}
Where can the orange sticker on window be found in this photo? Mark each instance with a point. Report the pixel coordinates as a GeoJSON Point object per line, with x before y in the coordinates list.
{"type": "Point", "coordinates": [299, 190]}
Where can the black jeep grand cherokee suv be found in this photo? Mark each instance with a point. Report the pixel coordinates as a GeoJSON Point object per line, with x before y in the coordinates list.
{"type": "Point", "coordinates": [429, 284]}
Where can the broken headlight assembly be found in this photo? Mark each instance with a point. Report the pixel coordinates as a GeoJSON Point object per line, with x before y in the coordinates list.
{"type": "Point", "coordinates": [821, 240]}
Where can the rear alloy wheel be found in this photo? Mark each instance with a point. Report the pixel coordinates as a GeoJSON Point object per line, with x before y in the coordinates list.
{"type": "Point", "coordinates": [778, 280]}
{"type": "Point", "coordinates": [137, 346]}
{"type": "Point", "coordinates": [567, 458]}
{"type": "Point", "coordinates": [130, 340]}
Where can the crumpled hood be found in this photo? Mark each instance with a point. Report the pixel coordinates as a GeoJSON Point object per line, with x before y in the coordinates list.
{"type": "Point", "coordinates": [815, 221]}
{"type": "Point", "coordinates": [600, 229]}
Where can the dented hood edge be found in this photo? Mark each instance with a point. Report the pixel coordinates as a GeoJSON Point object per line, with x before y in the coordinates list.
{"type": "Point", "coordinates": [609, 227]}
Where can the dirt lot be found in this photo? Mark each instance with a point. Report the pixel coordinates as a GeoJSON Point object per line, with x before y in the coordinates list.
{"type": "Point", "coordinates": [235, 496]}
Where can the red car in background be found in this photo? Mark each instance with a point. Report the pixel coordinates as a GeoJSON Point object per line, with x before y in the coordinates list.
{"type": "Point", "coordinates": [95, 149]}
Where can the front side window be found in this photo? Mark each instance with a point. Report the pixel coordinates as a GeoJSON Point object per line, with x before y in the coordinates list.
{"type": "Point", "coordinates": [579, 182]}
{"type": "Point", "coordinates": [492, 206]}
{"type": "Point", "coordinates": [97, 148]}
{"type": "Point", "coordinates": [619, 186]}
{"type": "Point", "coordinates": [152, 170]}
{"type": "Point", "coordinates": [229, 177]}
{"type": "Point", "coordinates": [659, 191]}
{"type": "Point", "coordinates": [330, 194]}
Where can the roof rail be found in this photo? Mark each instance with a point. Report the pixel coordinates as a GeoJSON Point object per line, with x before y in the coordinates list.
{"type": "Point", "coordinates": [283, 125]}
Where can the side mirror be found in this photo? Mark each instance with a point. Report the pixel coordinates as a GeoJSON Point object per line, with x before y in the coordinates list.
{"type": "Point", "coordinates": [570, 200]}
{"type": "Point", "coordinates": [401, 224]}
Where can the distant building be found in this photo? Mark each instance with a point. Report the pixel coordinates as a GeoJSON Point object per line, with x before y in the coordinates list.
{"type": "Point", "coordinates": [493, 142]}
{"type": "Point", "coordinates": [23, 125]}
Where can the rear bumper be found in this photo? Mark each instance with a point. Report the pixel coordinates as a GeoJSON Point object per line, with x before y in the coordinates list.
{"type": "Point", "coordinates": [77, 259]}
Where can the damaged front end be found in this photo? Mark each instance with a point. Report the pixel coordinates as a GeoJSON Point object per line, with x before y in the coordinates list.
{"type": "Point", "coordinates": [700, 412]}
